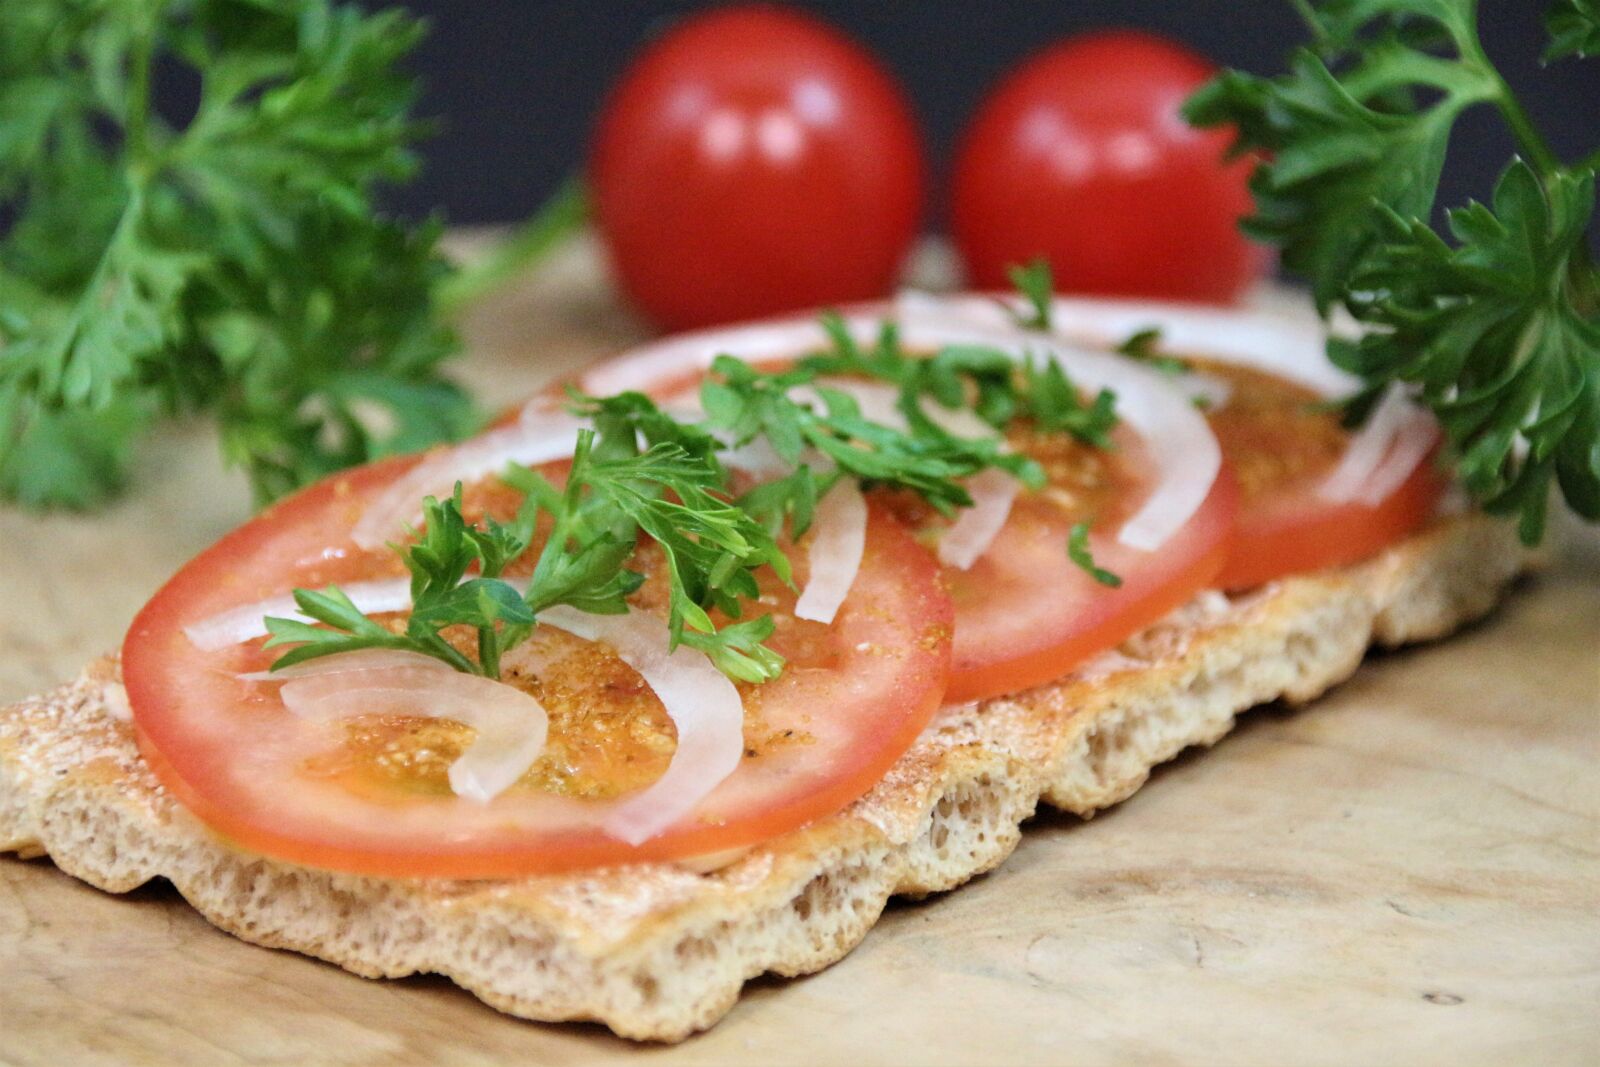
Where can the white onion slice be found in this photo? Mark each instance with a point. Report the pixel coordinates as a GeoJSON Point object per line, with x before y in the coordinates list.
{"type": "Point", "coordinates": [248, 620]}
{"type": "Point", "coordinates": [1395, 439]}
{"type": "Point", "coordinates": [1381, 455]}
{"type": "Point", "coordinates": [1289, 346]}
{"type": "Point", "coordinates": [1368, 449]}
{"type": "Point", "coordinates": [969, 537]}
{"type": "Point", "coordinates": [703, 704]}
{"type": "Point", "coordinates": [1411, 446]}
{"type": "Point", "coordinates": [511, 725]}
{"type": "Point", "coordinates": [539, 437]}
{"type": "Point", "coordinates": [1182, 448]}
{"type": "Point", "coordinates": [838, 539]}
{"type": "Point", "coordinates": [691, 353]}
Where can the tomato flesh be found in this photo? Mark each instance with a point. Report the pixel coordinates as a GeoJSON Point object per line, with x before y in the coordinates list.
{"type": "Point", "coordinates": [368, 798]}
{"type": "Point", "coordinates": [1026, 614]}
{"type": "Point", "coordinates": [1281, 444]}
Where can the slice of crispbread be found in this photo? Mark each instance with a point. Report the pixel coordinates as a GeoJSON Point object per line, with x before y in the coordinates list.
{"type": "Point", "coordinates": [659, 951]}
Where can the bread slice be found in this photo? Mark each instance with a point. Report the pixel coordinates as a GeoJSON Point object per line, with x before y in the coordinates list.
{"type": "Point", "coordinates": [659, 951]}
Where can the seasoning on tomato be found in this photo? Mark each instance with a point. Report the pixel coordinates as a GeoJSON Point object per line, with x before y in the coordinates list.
{"type": "Point", "coordinates": [592, 746]}
{"type": "Point", "coordinates": [1291, 455]}
{"type": "Point", "coordinates": [1131, 516]}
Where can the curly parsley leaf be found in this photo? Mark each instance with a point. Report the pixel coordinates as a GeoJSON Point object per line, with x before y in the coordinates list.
{"type": "Point", "coordinates": [1574, 27]}
{"type": "Point", "coordinates": [1497, 328]}
{"type": "Point", "coordinates": [231, 264]}
{"type": "Point", "coordinates": [1490, 333]}
{"type": "Point", "coordinates": [1338, 143]}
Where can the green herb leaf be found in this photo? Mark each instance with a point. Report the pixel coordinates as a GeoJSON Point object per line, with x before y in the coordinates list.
{"type": "Point", "coordinates": [1574, 27]}
{"type": "Point", "coordinates": [1078, 552]}
{"type": "Point", "coordinates": [1500, 353]}
{"type": "Point", "coordinates": [1498, 329]}
{"type": "Point", "coordinates": [1145, 346]}
{"type": "Point", "coordinates": [922, 459]}
{"type": "Point", "coordinates": [737, 650]}
{"type": "Point", "coordinates": [1037, 286]}
{"type": "Point", "coordinates": [233, 264]}
{"type": "Point", "coordinates": [788, 501]}
{"type": "Point", "coordinates": [1338, 145]}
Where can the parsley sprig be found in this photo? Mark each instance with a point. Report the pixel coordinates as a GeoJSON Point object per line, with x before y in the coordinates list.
{"type": "Point", "coordinates": [1497, 328]}
{"type": "Point", "coordinates": [642, 474]}
{"type": "Point", "coordinates": [613, 496]}
{"type": "Point", "coordinates": [990, 382]}
{"type": "Point", "coordinates": [232, 263]}
{"type": "Point", "coordinates": [747, 403]}
{"type": "Point", "coordinates": [924, 457]}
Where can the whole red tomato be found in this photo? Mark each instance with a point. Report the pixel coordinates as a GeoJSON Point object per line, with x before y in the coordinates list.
{"type": "Point", "coordinates": [1081, 156]}
{"type": "Point", "coordinates": [754, 160]}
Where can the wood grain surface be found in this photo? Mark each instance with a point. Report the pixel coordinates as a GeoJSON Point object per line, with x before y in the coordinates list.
{"type": "Point", "coordinates": [1408, 871]}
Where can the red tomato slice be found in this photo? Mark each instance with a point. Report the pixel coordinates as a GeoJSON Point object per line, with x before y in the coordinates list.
{"type": "Point", "coordinates": [1026, 614]}
{"type": "Point", "coordinates": [856, 695]}
{"type": "Point", "coordinates": [1281, 446]}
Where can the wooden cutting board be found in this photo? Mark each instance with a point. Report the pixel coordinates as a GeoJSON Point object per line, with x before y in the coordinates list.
{"type": "Point", "coordinates": [1408, 871]}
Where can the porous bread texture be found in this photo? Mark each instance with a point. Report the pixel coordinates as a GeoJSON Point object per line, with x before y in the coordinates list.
{"type": "Point", "coordinates": [658, 951]}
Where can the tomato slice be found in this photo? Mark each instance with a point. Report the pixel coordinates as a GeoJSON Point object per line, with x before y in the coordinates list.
{"type": "Point", "coordinates": [1026, 614]}
{"type": "Point", "coordinates": [855, 696]}
{"type": "Point", "coordinates": [1282, 444]}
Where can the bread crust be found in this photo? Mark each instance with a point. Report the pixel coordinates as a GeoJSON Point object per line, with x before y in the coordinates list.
{"type": "Point", "coordinates": [659, 951]}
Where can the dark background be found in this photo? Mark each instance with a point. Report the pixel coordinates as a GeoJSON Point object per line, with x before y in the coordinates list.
{"type": "Point", "coordinates": [516, 83]}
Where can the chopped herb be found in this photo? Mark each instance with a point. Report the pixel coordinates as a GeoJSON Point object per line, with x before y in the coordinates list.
{"type": "Point", "coordinates": [1078, 552]}
{"type": "Point", "coordinates": [924, 459]}
{"type": "Point", "coordinates": [1037, 286]}
{"type": "Point", "coordinates": [1145, 346]}
{"type": "Point", "coordinates": [991, 382]}
{"type": "Point", "coordinates": [675, 492]}
{"type": "Point", "coordinates": [711, 548]}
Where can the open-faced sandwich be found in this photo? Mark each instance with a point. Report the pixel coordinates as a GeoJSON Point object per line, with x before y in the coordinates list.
{"type": "Point", "coordinates": [675, 676]}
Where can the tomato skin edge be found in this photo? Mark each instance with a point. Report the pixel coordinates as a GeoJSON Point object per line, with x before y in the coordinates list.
{"type": "Point", "coordinates": [148, 666]}
{"type": "Point", "coordinates": [1052, 664]}
{"type": "Point", "coordinates": [1336, 536]}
